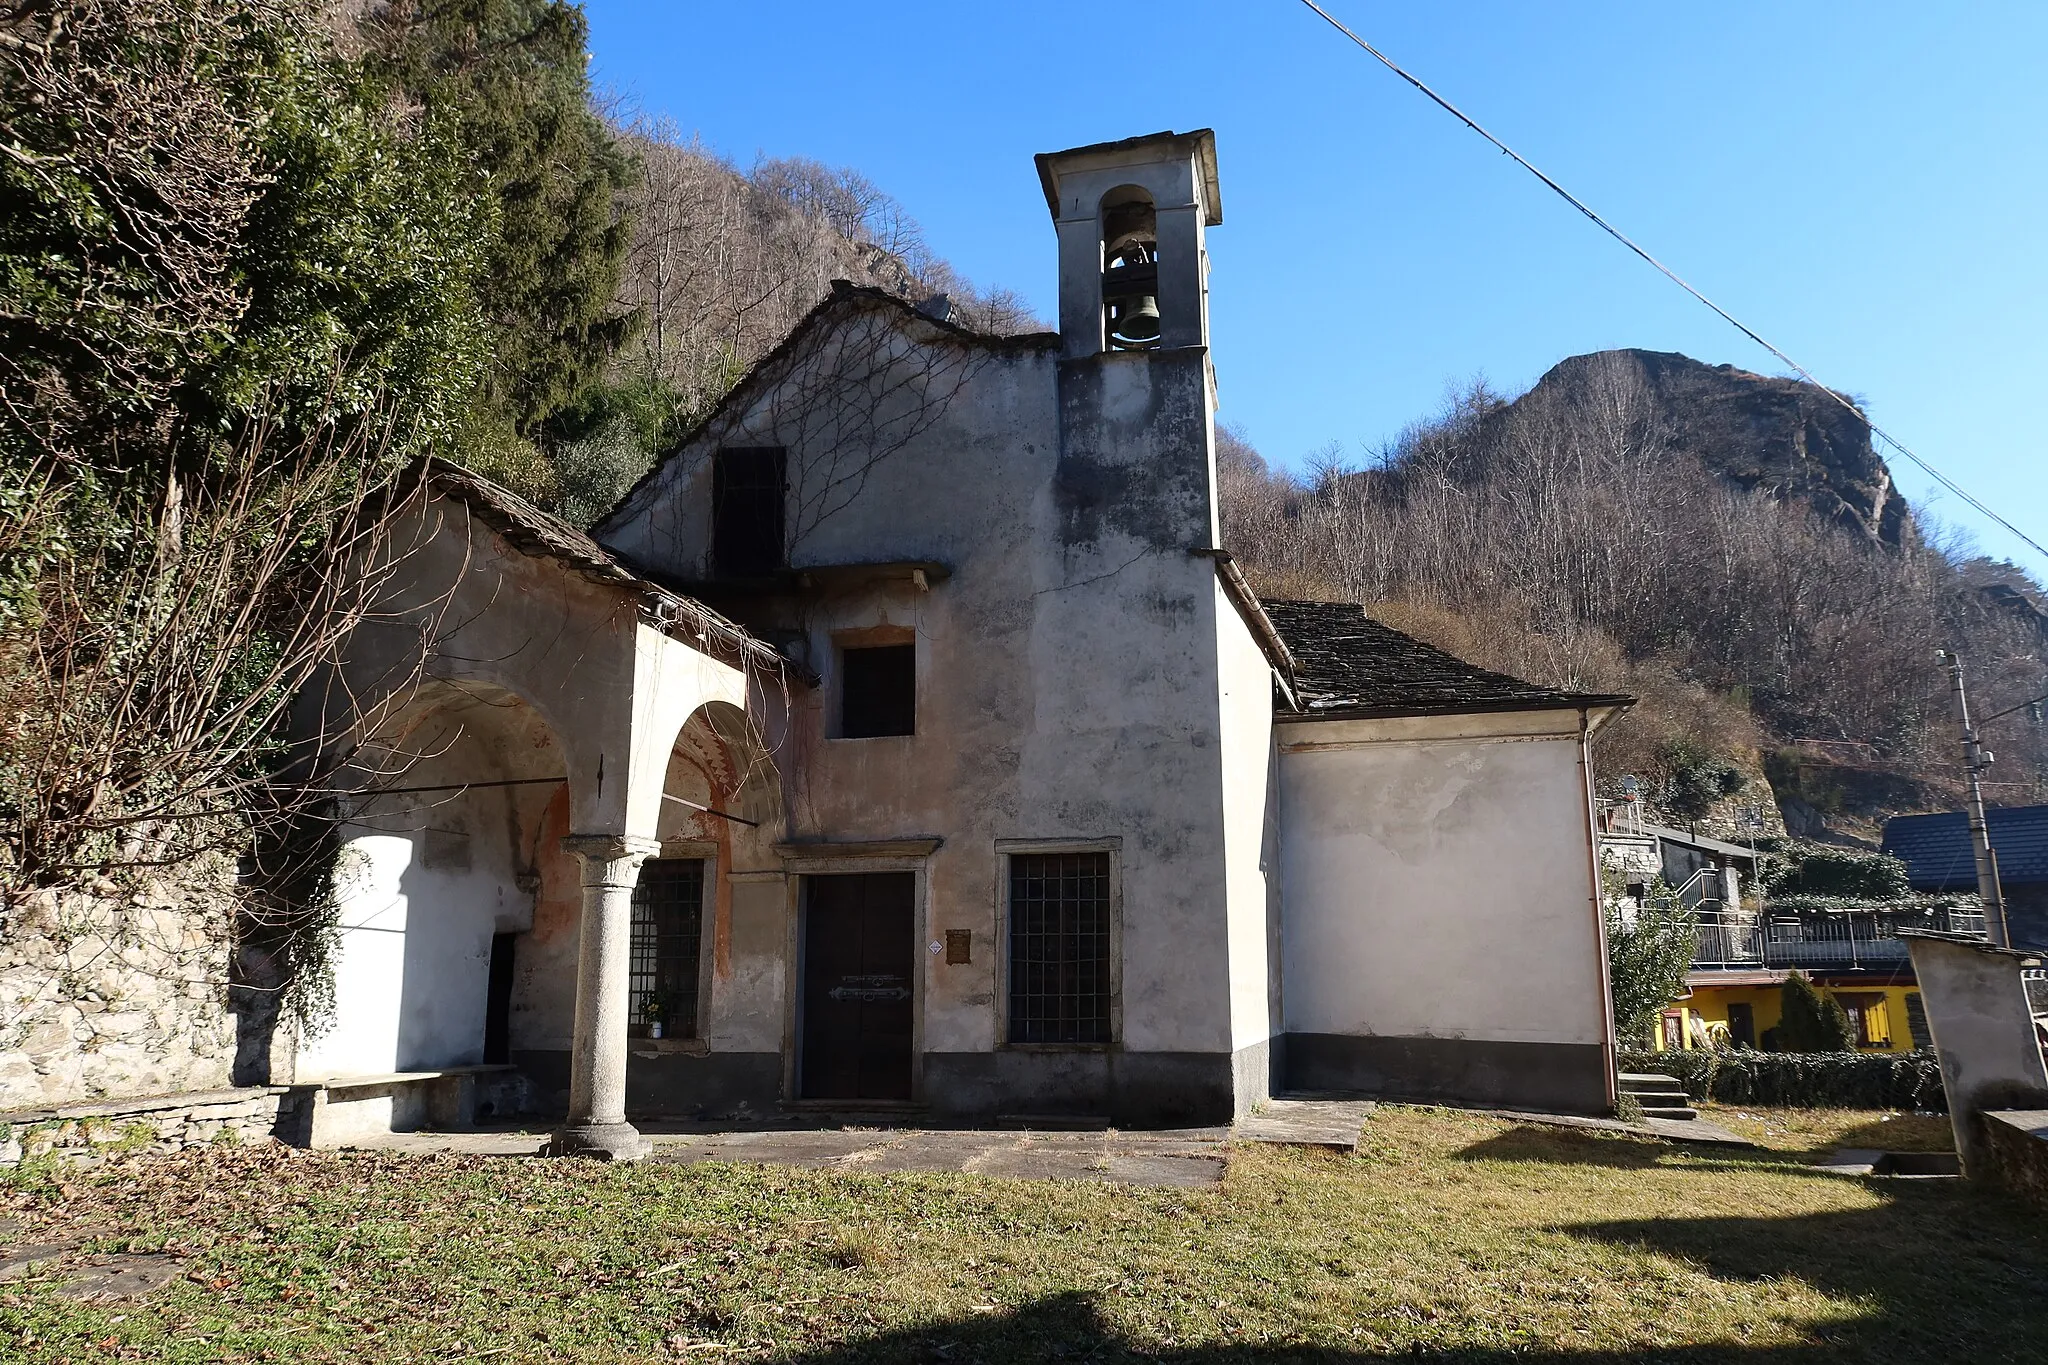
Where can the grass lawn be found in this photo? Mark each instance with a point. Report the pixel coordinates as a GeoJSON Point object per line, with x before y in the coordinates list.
{"type": "Point", "coordinates": [1449, 1235]}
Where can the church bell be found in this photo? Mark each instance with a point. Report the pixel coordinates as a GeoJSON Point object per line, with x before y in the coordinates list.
{"type": "Point", "coordinates": [1130, 292]}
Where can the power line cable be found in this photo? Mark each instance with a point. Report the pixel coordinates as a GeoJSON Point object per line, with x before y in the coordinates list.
{"type": "Point", "coordinates": [2000, 715]}
{"type": "Point", "coordinates": [1618, 235]}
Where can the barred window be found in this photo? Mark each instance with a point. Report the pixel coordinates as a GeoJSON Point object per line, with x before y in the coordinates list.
{"type": "Point", "coordinates": [1060, 948]}
{"type": "Point", "coordinates": [668, 929]}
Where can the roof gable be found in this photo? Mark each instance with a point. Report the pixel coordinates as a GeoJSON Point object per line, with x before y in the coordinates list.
{"type": "Point", "coordinates": [847, 300]}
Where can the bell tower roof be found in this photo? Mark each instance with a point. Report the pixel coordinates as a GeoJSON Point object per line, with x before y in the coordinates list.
{"type": "Point", "coordinates": [1131, 151]}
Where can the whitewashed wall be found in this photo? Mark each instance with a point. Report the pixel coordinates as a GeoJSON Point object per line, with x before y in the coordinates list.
{"type": "Point", "coordinates": [1441, 927]}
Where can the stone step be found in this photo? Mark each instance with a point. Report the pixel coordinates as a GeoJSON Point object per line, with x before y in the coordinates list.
{"type": "Point", "coordinates": [1650, 1099]}
{"type": "Point", "coordinates": [1670, 1111]}
{"type": "Point", "coordinates": [1631, 1081]}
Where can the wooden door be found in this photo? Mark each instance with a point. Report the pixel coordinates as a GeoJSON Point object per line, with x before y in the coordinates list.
{"type": "Point", "coordinates": [858, 959]}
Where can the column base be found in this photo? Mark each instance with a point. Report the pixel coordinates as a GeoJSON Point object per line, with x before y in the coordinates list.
{"type": "Point", "coordinates": [600, 1142]}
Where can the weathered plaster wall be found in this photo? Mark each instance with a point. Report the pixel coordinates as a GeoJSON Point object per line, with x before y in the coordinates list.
{"type": "Point", "coordinates": [1440, 933]}
{"type": "Point", "coordinates": [426, 880]}
{"type": "Point", "coordinates": [1069, 689]}
{"type": "Point", "coordinates": [537, 674]}
{"type": "Point", "coordinates": [106, 992]}
{"type": "Point", "coordinates": [1251, 847]}
{"type": "Point", "coordinates": [1984, 1033]}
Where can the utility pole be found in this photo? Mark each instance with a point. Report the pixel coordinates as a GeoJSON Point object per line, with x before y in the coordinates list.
{"type": "Point", "coordinates": [1975, 761]}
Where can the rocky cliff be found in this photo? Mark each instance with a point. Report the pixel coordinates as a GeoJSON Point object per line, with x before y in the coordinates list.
{"type": "Point", "coordinates": [1757, 431]}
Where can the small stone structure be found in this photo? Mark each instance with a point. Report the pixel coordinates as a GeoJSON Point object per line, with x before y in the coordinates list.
{"type": "Point", "coordinates": [108, 992]}
{"type": "Point", "coordinates": [1984, 1031]}
{"type": "Point", "coordinates": [2016, 1146]}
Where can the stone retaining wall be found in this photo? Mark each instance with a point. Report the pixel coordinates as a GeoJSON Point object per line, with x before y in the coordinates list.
{"type": "Point", "coordinates": [81, 1133]}
{"type": "Point", "coordinates": [108, 991]}
{"type": "Point", "coordinates": [2016, 1143]}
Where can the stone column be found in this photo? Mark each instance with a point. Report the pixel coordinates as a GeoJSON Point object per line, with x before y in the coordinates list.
{"type": "Point", "coordinates": [597, 1124]}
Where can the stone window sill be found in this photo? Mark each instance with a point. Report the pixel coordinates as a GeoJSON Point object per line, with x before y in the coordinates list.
{"type": "Point", "coordinates": [668, 1047]}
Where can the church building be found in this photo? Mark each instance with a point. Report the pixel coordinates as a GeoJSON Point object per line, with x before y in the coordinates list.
{"type": "Point", "coordinates": [906, 744]}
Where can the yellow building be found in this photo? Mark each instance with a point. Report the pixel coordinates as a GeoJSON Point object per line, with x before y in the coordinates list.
{"type": "Point", "coordinates": [1739, 1008]}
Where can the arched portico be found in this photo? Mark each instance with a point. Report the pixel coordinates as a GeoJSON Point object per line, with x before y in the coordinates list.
{"type": "Point", "coordinates": [516, 669]}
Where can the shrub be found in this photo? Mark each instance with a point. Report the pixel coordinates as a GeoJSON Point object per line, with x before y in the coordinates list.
{"type": "Point", "coordinates": [1805, 870]}
{"type": "Point", "coordinates": [1804, 1080]}
{"type": "Point", "coordinates": [1811, 1022]}
{"type": "Point", "coordinates": [1648, 955]}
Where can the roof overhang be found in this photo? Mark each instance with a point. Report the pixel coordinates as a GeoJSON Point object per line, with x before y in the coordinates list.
{"type": "Point", "coordinates": [1199, 144]}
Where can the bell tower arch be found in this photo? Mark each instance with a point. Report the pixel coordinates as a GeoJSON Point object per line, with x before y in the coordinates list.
{"type": "Point", "coordinates": [1131, 217]}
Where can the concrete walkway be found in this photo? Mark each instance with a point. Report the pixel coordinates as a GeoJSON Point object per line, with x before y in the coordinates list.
{"type": "Point", "coordinates": [1178, 1158]}
{"type": "Point", "coordinates": [1307, 1121]}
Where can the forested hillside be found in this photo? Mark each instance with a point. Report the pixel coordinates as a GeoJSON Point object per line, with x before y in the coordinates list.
{"type": "Point", "coordinates": [259, 254]}
{"type": "Point", "coordinates": [1726, 545]}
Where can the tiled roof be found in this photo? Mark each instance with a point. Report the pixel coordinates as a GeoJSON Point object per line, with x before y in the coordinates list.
{"type": "Point", "coordinates": [1937, 847]}
{"type": "Point", "coordinates": [1347, 664]}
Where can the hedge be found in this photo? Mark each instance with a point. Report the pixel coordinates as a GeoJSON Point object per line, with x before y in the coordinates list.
{"type": "Point", "coordinates": [1803, 1080]}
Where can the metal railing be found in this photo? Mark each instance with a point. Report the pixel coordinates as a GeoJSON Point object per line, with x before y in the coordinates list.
{"type": "Point", "coordinates": [1841, 938]}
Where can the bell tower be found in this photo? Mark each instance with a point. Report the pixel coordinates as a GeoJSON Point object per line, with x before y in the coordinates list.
{"type": "Point", "coordinates": [1131, 217]}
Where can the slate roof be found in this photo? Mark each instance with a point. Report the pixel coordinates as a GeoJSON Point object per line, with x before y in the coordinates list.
{"type": "Point", "coordinates": [1348, 665]}
{"type": "Point", "coordinates": [1936, 848]}
{"type": "Point", "coordinates": [528, 529]}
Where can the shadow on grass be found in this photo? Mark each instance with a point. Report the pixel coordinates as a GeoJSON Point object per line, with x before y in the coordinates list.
{"type": "Point", "coordinates": [1551, 1146]}
{"type": "Point", "coordinates": [1070, 1328]}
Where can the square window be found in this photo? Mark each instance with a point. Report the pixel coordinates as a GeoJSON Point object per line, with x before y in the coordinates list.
{"type": "Point", "coordinates": [668, 934]}
{"type": "Point", "coordinates": [1060, 969]}
{"type": "Point", "coordinates": [748, 489]}
{"type": "Point", "coordinates": [877, 691]}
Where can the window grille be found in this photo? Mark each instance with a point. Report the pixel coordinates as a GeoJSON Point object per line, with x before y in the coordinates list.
{"type": "Point", "coordinates": [668, 931]}
{"type": "Point", "coordinates": [748, 486]}
{"type": "Point", "coordinates": [1059, 948]}
{"type": "Point", "coordinates": [878, 691]}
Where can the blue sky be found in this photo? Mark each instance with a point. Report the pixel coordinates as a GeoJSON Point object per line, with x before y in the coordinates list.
{"type": "Point", "coordinates": [1865, 184]}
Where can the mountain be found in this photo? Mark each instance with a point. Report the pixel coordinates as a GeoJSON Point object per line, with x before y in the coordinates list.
{"type": "Point", "coordinates": [1780, 435]}
{"type": "Point", "coordinates": [1727, 546]}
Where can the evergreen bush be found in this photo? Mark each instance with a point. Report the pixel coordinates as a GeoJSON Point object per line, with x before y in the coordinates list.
{"type": "Point", "coordinates": [1811, 1022]}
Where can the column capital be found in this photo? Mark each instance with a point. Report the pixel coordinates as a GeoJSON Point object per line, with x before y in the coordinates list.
{"type": "Point", "coordinates": [611, 848]}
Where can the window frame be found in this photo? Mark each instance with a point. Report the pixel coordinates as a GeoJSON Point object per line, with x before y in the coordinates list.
{"type": "Point", "coordinates": [706, 899]}
{"type": "Point", "coordinates": [1005, 948]}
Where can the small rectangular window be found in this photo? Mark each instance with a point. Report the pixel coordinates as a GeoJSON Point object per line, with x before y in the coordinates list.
{"type": "Point", "coordinates": [877, 691]}
{"type": "Point", "coordinates": [668, 933]}
{"type": "Point", "coordinates": [748, 487]}
{"type": "Point", "coordinates": [1060, 948]}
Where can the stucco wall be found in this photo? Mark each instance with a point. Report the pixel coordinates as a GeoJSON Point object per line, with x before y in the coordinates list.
{"type": "Point", "coordinates": [1439, 907]}
{"type": "Point", "coordinates": [425, 880]}
{"type": "Point", "coordinates": [1070, 686]}
{"type": "Point", "coordinates": [1250, 831]}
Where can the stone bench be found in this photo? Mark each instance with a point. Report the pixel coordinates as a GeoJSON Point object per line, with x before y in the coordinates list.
{"type": "Point", "coordinates": [348, 1108]}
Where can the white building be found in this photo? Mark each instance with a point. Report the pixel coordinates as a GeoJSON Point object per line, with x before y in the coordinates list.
{"type": "Point", "coordinates": [923, 752]}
